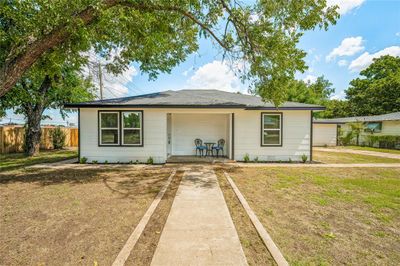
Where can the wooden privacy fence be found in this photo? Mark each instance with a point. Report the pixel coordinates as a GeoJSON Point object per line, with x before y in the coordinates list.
{"type": "Point", "coordinates": [12, 138]}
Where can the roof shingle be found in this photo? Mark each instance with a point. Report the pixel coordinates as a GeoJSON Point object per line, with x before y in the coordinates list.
{"type": "Point", "coordinates": [193, 99]}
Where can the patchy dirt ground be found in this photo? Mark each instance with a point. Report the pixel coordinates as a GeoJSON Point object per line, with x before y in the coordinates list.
{"type": "Point", "coordinates": [143, 252]}
{"type": "Point", "coordinates": [327, 216]}
{"type": "Point", "coordinates": [253, 247]}
{"type": "Point", "coordinates": [71, 216]}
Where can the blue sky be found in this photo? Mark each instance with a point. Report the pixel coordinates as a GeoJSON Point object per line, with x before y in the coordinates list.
{"type": "Point", "coordinates": [366, 29]}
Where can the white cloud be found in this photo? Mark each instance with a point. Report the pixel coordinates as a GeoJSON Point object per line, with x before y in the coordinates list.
{"type": "Point", "coordinates": [317, 58]}
{"type": "Point", "coordinates": [116, 85]}
{"type": "Point", "coordinates": [398, 34]}
{"type": "Point", "coordinates": [338, 96]}
{"type": "Point", "coordinates": [113, 85]}
{"type": "Point", "coordinates": [310, 79]}
{"type": "Point", "coordinates": [348, 46]}
{"type": "Point", "coordinates": [364, 60]}
{"type": "Point", "coordinates": [187, 71]}
{"type": "Point", "coordinates": [345, 6]}
{"type": "Point", "coordinates": [342, 62]}
{"type": "Point", "coordinates": [215, 75]}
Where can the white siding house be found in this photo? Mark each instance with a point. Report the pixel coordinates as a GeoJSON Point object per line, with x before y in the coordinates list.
{"type": "Point", "coordinates": [166, 124]}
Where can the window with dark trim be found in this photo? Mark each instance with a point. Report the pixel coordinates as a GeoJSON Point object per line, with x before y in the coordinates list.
{"type": "Point", "coordinates": [373, 127]}
{"type": "Point", "coordinates": [109, 128]}
{"type": "Point", "coordinates": [271, 129]}
{"type": "Point", "coordinates": [120, 128]}
{"type": "Point", "coordinates": [131, 128]}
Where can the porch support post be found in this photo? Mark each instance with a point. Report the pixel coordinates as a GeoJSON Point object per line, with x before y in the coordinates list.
{"type": "Point", "coordinates": [232, 137]}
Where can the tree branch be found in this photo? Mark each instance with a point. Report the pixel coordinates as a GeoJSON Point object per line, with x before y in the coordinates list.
{"type": "Point", "coordinates": [13, 70]}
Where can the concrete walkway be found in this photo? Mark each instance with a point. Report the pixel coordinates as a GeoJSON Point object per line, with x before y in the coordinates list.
{"type": "Point", "coordinates": [199, 229]}
{"type": "Point", "coordinates": [370, 153]}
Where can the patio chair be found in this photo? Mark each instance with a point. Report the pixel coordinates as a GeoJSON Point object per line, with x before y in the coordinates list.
{"type": "Point", "coordinates": [220, 147]}
{"type": "Point", "coordinates": [199, 146]}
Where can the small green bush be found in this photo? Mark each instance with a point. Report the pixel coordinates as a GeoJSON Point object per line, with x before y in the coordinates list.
{"type": "Point", "coordinates": [246, 158]}
{"type": "Point", "coordinates": [290, 160]}
{"type": "Point", "coordinates": [105, 162]}
{"type": "Point", "coordinates": [304, 158]}
{"type": "Point", "coordinates": [94, 161]}
{"type": "Point", "coordinates": [256, 159]}
{"type": "Point", "coordinates": [150, 160]}
{"type": "Point", "coordinates": [130, 162]}
{"type": "Point", "coordinates": [58, 138]}
{"type": "Point", "coordinates": [83, 160]}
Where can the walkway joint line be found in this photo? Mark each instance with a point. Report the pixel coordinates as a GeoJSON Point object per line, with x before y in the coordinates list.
{"type": "Point", "coordinates": [134, 237]}
{"type": "Point", "coordinates": [266, 238]}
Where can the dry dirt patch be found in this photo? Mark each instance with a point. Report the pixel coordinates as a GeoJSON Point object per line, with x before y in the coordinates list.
{"type": "Point", "coordinates": [329, 216]}
{"type": "Point", "coordinates": [253, 246]}
{"type": "Point", "coordinates": [72, 216]}
{"type": "Point", "coordinates": [143, 252]}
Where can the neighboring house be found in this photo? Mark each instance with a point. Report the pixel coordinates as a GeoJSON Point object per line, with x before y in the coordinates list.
{"type": "Point", "coordinates": [326, 130]}
{"type": "Point", "coordinates": [167, 123]}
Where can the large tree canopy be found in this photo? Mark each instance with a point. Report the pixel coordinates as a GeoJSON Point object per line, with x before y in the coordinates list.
{"type": "Point", "coordinates": [378, 90]}
{"type": "Point", "coordinates": [159, 34]}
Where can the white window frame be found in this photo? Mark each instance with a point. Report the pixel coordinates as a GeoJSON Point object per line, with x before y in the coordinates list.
{"type": "Point", "coordinates": [112, 128]}
{"type": "Point", "coordinates": [271, 129]}
{"type": "Point", "coordinates": [130, 128]}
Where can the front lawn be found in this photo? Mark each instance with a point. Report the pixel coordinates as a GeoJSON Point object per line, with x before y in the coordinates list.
{"type": "Point", "coordinates": [371, 149]}
{"type": "Point", "coordinates": [72, 216]}
{"type": "Point", "coordinates": [335, 216]}
{"type": "Point", "coordinates": [15, 160]}
{"type": "Point", "coordinates": [341, 157]}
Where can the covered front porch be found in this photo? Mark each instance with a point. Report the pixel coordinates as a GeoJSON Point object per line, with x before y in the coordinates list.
{"type": "Point", "coordinates": [184, 128]}
{"type": "Point", "coordinates": [197, 159]}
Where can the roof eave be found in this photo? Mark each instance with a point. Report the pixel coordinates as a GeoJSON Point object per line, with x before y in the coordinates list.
{"type": "Point", "coordinates": [328, 122]}
{"type": "Point", "coordinates": [312, 108]}
{"type": "Point", "coordinates": [83, 105]}
{"type": "Point", "coordinates": [77, 105]}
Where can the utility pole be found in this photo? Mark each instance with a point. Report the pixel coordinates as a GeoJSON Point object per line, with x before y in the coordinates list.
{"type": "Point", "coordinates": [101, 81]}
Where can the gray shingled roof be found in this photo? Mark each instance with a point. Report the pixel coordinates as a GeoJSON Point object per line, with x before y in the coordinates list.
{"type": "Point", "coordinates": [372, 118]}
{"type": "Point", "coordinates": [194, 99]}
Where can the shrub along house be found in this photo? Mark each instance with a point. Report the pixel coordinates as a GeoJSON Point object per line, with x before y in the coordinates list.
{"type": "Point", "coordinates": [165, 124]}
{"type": "Point", "coordinates": [379, 130]}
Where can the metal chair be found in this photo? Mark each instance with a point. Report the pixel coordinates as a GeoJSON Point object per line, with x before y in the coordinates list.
{"type": "Point", "coordinates": [220, 147]}
{"type": "Point", "coordinates": [199, 146]}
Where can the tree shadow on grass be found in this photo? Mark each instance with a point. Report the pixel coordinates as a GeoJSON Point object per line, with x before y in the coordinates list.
{"type": "Point", "coordinates": [121, 176]}
{"type": "Point", "coordinates": [52, 176]}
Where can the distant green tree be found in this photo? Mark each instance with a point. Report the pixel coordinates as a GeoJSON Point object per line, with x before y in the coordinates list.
{"type": "Point", "coordinates": [317, 92]}
{"type": "Point", "coordinates": [378, 90]}
{"type": "Point", "coordinates": [335, 108]}
{"type": "Point", "coordinates": [45, 86]}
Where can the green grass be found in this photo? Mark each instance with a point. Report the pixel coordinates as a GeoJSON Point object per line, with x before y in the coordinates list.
{"type": "Point", "coordinates": [373, 149]}
{"type": "Point", "coordinates": [327, 216]}
{"type": "Point", "coordinates": [341, 157]}
{"type": "Point", "coordinates": [16, 160]}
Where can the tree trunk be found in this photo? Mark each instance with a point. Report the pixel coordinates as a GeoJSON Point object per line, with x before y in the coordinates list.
{"type": "Point", "coordinates": [33, 114]}
{"type": "Point", "coordinates": [33, 132]}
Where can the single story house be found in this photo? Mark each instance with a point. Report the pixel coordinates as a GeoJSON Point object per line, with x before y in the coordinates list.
{"type": "Point", "coordinates": [165, 124]}
{"type": "Point", "coordinates": [326, 131]}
